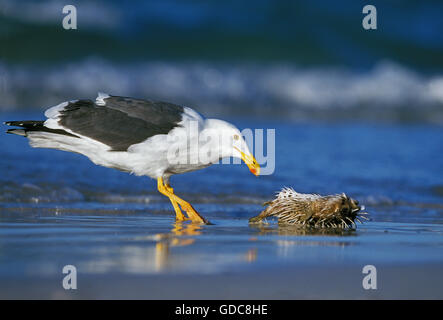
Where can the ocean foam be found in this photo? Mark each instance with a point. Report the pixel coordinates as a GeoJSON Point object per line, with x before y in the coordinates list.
{"type": "Point", "coordinates": [228, 89]}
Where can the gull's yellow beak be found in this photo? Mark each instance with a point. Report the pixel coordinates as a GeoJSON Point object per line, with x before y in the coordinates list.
{"type": "Point", "coordinates": [250, 161]}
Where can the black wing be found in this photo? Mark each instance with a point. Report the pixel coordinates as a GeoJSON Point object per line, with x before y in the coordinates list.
{"type": "Point", "coordinates": [120, 122]}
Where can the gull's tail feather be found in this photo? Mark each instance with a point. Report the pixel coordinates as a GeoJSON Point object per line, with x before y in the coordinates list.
{"type": "Point", "coordinates": [26, 126]}
{"type": "Point", "coordinates": [19, 132]}
{"type": "Point", "coordinates": [32, 125]}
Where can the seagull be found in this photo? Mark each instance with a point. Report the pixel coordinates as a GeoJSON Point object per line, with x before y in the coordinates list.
{"type": "Point", "coordinates": [142, 137]}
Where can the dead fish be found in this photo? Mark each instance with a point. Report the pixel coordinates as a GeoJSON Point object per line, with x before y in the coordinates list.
{"type": "Point", "coordinates": [332, 211]}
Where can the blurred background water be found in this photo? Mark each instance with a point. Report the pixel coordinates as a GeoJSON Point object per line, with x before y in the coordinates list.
{"type": "Point", "coordinates": [354, 111]}
{"type": "Point", "coordinates": [285, 59]}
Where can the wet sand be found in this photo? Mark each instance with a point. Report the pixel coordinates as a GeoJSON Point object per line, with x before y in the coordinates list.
{"type": "Point", "coordinates": [57, 209]}
{"type": "Point", "coordinates": [148, 256]}
{"type": "Point", "coordinates": [395, 282]}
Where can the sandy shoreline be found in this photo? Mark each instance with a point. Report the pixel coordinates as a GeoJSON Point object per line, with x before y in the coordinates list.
{"type": "Point", "coordinates": [394, 282]}
{"type": "Point", "coordinates": [125, 246]}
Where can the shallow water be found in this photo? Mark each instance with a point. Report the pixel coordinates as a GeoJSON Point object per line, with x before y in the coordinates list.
{"type": "Point", "coordinates": [58, 208]}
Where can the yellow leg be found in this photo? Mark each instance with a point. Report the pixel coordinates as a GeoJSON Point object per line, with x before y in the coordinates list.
{"type": "Point", "coordinates": [179, 216]}
{"type": "Point", "coordinates": [192, 214]}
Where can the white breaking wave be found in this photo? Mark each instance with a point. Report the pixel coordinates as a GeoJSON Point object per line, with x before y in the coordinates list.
{"type": "Point", "coordinates": [227, 88]}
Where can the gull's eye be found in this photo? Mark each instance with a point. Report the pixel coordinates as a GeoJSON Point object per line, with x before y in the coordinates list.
{"type": "Point", "coordinates": [236, 137]}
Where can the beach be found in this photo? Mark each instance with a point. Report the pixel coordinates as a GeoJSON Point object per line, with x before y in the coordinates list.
{"type": "Point", "coordinates": [59, 209]}
{"type": "Point", "coordinates": [326, 105]}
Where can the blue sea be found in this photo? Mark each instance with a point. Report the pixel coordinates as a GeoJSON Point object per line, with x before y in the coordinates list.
{"type": "Point", "coordinates": [58, 209]}
{"type": "Point", "coordinates": [354, 111]}
{"type": "Point", "coordinates": [264, 59]}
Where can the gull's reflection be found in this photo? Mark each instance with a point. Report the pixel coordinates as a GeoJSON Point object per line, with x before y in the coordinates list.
{"type": "Point", "coordinates": [251, 255]}
{"type": "Point", "coordinates": [190, 229]}
{"type": "Point", "coordinates": [179, 236]}
{"type": "Point", "coordinates": [193, 248]}
{"type": "Point", "coordinates": [173, 239]}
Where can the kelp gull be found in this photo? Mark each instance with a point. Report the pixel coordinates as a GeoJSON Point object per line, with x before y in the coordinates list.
{"type": "Point", "coordinates": [143, 137]}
